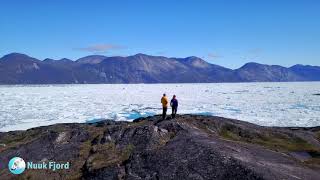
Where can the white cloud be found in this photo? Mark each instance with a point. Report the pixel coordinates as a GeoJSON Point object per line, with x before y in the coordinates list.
{"type": "Point", "coordinates": [99, 48]}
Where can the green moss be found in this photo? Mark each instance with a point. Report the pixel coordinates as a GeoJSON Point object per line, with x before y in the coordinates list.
{"type": "Point", "coordinates": [126, 153]}
{"type": "Point", "coordinates": [109, 154]}
{"type": "Point", "coordinates": [202, 125]}
{"type": "Point", "coordinates": [315, 160]}
{"type": "Point", "coordinates": [231, 132]}
{"type": "Point", "coordinates": [166, 138]}
{"type": "Point", "coordinates": [85, 149]}
{"type": "Point", "coordinates": [16, 138]}
{"type": "Point", "coordinates": [139, 123]}
{"type": "Point", "coordinates": [318, 135]}
{"type": "Point", "coordinates": [272, 140]}
{"type": "Point", "coordinates": [229, 135]}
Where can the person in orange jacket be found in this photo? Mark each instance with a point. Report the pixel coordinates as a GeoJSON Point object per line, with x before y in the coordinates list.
{"type": "Point", "coordinates": [164, 101]}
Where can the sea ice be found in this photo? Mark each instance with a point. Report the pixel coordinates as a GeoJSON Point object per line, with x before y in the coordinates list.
{"type": "Point", "coordinates": [268, 104]}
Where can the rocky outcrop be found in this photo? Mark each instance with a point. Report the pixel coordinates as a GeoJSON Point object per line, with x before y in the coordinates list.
{"type": "Point", "coordinates": [187, 147]}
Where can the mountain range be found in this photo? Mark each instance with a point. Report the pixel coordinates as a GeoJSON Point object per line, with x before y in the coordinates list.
{"type": "Point", "coordinates": [16, 68]}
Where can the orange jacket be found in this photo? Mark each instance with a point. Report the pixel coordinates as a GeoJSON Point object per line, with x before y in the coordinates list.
{"type": "Point", "coordinates": [164, 101]}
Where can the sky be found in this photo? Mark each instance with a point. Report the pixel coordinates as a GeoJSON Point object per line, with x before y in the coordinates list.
{"type": "Point", "coordinates": [224, 32]}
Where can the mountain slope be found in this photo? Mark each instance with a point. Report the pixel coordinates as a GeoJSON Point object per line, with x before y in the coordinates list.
{"type": "Point", "coordinates": [93, 59]}
{"type": "Point", "coordinates": [254, 72]}
{"type": "Point", "coordinates": [18, 68]}
{"type": "Point", "coordinates": [21, 69]}
{"type": "Point", "coordinates": [309, 73]}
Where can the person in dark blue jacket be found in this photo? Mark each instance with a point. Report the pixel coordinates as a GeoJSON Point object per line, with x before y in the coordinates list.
{"type": "Point", "coordinates": [174, 105]}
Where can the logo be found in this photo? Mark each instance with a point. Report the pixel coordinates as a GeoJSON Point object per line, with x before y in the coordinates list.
{"type": "Point", "coordinates": [16, 165]}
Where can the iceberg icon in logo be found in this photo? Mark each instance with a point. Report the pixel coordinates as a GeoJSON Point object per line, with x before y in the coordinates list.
{"type": "Point", "coordinates": [16, 165]}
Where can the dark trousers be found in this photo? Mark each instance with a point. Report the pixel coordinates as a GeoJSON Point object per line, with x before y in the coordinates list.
{"type": "Point", "coordinates": [164, 112]}
{"type": "Point", "coordinates": [174, 112]}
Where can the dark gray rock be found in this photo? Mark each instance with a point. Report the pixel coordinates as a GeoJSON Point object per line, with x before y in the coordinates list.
{"type": "Point", "coordinates": [187, 147]}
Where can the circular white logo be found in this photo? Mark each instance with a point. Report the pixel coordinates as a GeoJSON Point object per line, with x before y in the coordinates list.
{"type": "Point", "coordinates": [16, 165]}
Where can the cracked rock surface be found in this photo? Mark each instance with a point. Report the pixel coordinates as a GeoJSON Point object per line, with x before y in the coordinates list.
{"type": "Point", "coordinates": [187, 147]}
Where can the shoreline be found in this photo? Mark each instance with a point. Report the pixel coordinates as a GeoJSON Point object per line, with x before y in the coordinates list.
{"type": "Point", "coordinates": [97, 121]}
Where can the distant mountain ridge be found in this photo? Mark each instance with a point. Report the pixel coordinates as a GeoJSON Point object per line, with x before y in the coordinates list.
{"type": "Point", "coordinates": [18, 68]}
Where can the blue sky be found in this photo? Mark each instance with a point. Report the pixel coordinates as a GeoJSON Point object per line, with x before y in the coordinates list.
{"type": "Point", "coordinates": [224, 32]}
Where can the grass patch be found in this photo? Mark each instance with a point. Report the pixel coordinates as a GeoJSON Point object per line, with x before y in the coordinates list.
{"type": "Point", "coordinates": [139, 123]}
{"type": "Point", "coordinates": [278, 141]}
{"type": "Point", "coordinates": [109, 154]}
{"type": "Point", "coordinates": [85, 149]}
{"type": "Point", "coordinates": [203, 125]}
{"type": "Point", "coordinates": [14, 139]}
{"type": "Point", "coordinates": [272, 140]}
{"type": "Point", "coordinates": [313, 162]}
{"type": "Point", "coordinates": [318, 135]}
{"type": "Point", "coordinates": [126, 153]}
